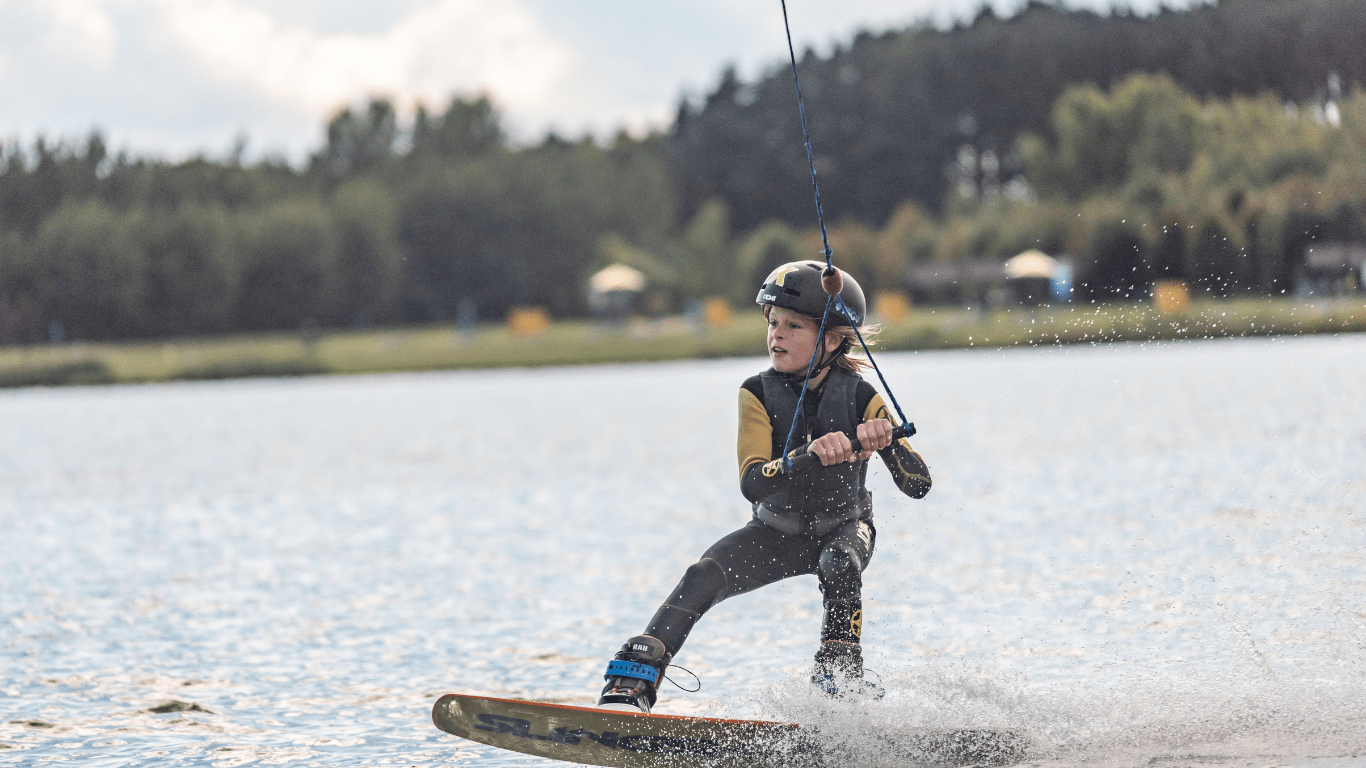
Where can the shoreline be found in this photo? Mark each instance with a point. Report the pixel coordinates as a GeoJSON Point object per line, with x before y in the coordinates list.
{"type": "Point", "coordinates": [577, 342]}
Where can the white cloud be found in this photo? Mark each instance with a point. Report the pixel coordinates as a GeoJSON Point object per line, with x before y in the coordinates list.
{"type": "Point", "coordinates": [80, 29]}
{"type": "Point", "coordinates": [175, 77]}
{"type": "Point", "coordinates": [448, 46]}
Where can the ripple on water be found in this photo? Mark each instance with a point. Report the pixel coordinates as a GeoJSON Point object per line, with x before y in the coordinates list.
{"type": "Point", "coordinates": [1139, 554]}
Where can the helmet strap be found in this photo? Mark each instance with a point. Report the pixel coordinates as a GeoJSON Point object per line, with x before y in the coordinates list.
{"type": "Point", "coordinates": [825, 362]}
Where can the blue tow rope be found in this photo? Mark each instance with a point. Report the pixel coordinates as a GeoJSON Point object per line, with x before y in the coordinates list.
{"type": "Point", "coordinates": [833, 302]}
{"type": "Point", "coordinates": [806, 136]}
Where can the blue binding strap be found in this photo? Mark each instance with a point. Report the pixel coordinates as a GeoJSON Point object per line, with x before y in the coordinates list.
{"type": "Point", "coordinates": [619, 668]}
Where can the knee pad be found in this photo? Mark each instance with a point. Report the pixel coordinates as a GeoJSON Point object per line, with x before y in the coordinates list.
{"type": "Point", "coordinates": [841, 572]}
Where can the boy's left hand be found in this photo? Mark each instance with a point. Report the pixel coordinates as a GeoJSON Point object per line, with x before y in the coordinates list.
{"type": "Point", "coordinates": [873, 436]}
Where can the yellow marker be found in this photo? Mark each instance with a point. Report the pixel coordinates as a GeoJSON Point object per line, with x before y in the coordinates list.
{"type": "Point", "coordinates": [1171, 297]}
{"type": "Point", "coordinates": [892, 306]}
{"type": "Point", "coordinates": [716, 311]}
{"type": "Point", "coordinates": [525, 322]}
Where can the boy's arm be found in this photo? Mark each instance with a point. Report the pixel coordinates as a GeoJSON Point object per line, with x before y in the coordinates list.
{"type": "Point", "coordinates": [761, 475]}
{"type": "Point", "coordinates": [909, 471]}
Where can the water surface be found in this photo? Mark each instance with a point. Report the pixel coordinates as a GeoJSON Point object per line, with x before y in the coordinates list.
{"type": "Point", "coordinates": [1141, 554]}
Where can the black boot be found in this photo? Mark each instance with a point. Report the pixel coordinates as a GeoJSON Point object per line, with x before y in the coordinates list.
{"type": "Point", "coordinates": [634, 674]}
{"type": "Point", "coordinates": [839, 671]}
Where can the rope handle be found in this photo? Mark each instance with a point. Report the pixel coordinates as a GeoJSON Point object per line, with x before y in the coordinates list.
{"type": "Point", "coordinates": [809, 461]}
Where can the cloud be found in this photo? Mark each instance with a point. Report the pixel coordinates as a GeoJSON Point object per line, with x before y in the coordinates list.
{"type": "Point", "coordinates": [80, 29]}
{"type": "Point", "coordinates": [181, 76]}
{"type": "Point", "coordinates": [448, 46]}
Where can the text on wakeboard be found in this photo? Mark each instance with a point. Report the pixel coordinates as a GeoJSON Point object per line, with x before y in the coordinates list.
{"type": "Point", "coordinates": [647, 743]}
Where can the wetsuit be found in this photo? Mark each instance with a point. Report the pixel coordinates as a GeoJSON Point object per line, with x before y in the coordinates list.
{"type": "Point", "coordinates": [818, 522]}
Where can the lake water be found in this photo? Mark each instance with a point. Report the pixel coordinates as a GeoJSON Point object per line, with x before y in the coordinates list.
{"type": "Point", "coordinates": [1143, 555]}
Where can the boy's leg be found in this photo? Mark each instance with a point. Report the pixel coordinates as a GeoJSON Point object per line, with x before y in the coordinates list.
{"type": "Point", "coordinates": [843, 557]}
{"type": "Point", "coordinates": [740, 562]}
{"type": "Point", "coordinates": [703, 585]}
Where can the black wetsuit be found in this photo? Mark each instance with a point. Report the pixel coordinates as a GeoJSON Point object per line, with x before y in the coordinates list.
{"type": "Point", "coordinates": [819, 522]}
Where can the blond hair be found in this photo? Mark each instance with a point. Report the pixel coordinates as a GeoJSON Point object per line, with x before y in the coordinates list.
{"type": "Point", "coordinates": [847, 358]}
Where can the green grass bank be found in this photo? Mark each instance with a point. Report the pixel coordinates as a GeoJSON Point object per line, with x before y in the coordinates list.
{"type": "Point", "coordinates": [443, 347]}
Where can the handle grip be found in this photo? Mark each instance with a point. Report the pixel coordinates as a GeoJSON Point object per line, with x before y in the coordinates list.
{"type": "Point", "coordinates": [809, 461]}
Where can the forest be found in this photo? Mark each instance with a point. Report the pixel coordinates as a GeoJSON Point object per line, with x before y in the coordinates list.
{"type": "Point", "coordinates": [1210, 144]}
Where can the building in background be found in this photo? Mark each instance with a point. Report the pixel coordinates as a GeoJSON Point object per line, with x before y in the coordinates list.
{"type": "Point", "coordinates": [1333, 269]}
{"type": "Point", "coordinates": [1029, 278]}
{"type": "Point", "coordinates": [614, 290]}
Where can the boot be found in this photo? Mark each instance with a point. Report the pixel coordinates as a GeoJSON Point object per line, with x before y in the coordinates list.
{"type": "Point", "coordinates": [839, 671]}
{"type": "Point", "coordinates": [634, 674]}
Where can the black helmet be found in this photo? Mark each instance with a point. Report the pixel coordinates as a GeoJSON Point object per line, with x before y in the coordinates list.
{"type": "Point", "coordinates": [797, 286]}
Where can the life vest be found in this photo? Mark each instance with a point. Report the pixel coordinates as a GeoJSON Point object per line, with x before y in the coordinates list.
{"type": "Point", "coordinates": [824, 498]}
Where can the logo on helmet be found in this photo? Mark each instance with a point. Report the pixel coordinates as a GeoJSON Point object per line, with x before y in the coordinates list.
{"type": "Point", "coordinates": [779, 275]}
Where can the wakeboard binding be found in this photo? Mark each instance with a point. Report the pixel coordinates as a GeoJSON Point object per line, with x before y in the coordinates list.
{"type": "Point", "coordinates": [634, 674]}
{"type": "Point", "coordinates": [839, 671]}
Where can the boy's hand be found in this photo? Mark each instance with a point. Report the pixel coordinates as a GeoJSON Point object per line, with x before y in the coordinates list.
{"type": "Point", "coordinates": [835, 448]}
{"type": "Point", "coordinates": [832, 448]}
{"type": "Point", "coordinates": [873, 436]}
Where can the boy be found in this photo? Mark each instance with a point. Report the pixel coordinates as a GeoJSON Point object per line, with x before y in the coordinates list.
{"type": "Point", "coordinates": [814, 522]}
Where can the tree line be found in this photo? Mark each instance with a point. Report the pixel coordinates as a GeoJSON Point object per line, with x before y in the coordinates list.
{"type": "Point", "coordinates": [889, 113]}
{"type": "Point", "coordinates": [366, 233]}
{"type": "Point", "coordinates": [1208, 144]}
{"type": "Point", "coordinates": [1146, 181]}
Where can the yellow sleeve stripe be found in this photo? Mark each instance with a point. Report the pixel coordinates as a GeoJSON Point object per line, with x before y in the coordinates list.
{"type": "Point", "coordinates": [756, 432]}
{"type": "Point", "coordinates": [877, 409]}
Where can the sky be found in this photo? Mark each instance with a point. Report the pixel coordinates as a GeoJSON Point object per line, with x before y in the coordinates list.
{"type": "Point", "coordinates": [176, 78]}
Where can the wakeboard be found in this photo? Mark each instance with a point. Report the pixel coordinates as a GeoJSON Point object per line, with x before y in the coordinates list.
{"type": "Point", "coordinates": [592, 736]}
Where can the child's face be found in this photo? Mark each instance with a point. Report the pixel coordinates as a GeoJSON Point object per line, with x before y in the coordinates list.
{"type": "Point", "coordinates": [792, 340]}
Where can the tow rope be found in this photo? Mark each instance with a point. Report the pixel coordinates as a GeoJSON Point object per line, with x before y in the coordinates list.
{"type": "Point", "coordinates": [832, 282]}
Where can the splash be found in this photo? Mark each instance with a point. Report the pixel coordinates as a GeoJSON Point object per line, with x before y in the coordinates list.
{"type": "Point", "coordinates": [1117, 719]}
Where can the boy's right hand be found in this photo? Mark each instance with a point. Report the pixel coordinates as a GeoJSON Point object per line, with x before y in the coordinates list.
{"type": "Point", "coordinates": [832, 448]}
{"type": "Point", "coordinates": [836, 448]}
